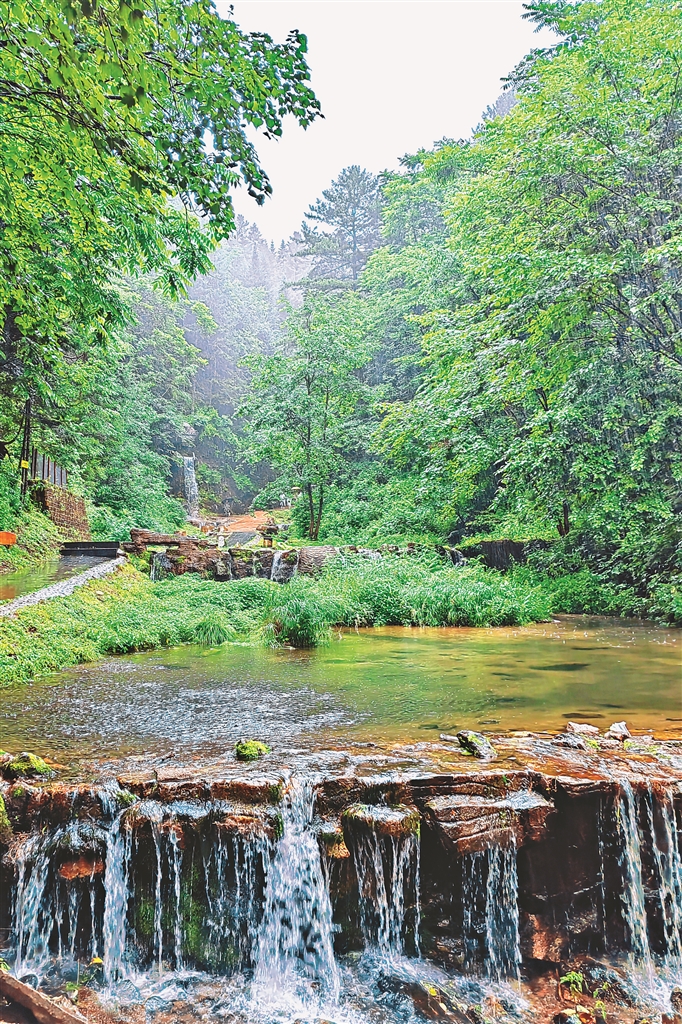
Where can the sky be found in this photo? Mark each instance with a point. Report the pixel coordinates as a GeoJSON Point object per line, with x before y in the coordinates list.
{"type": "Point", "coordinates": [393, 76]}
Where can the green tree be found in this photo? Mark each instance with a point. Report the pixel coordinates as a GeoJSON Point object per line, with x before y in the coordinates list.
{"type": "Point", "coordinates": [554, 354]}
{"type": "Point", "coordinates": [350, 207]}
{"type": "Point", "coordinates": [306, 401]}
{"type": "Point", "coordinates": [122, 133]}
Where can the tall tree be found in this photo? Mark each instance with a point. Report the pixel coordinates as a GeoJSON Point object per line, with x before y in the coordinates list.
{"type": "Point", "coordinates": [305, 401]}
{"type": "Point", "coordinates": [350, 208]}
{"type": "Point", "coordinates": [555, 352]}
{"type": "Point", "coordinates": [122, 132]}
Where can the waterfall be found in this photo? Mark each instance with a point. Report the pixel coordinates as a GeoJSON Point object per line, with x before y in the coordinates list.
{"type": "Point", "coordinates": [282, 567]}
{"type": "Point", "coordinates": [490, 910]}
{"type": "Point", "coordinates": [670, 868]}
{"type": "Point", "coordinates": [232, 867]}
{"type": "Point", "coordinates": [295, 955]}
{"type": "Point", "coordinates": [116, 894]}
{"type": "Point", "coordinates": [190, 486]}
{"type": "Point", "coordinates": [630, 861]}
{"type": "Point", "coordinates": [387, 869]}
{"type": "Point", "coordinates": [33, 918]}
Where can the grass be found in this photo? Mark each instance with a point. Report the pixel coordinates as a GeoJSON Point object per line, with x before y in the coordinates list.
{"type": "Point", "coordinates": [125, 612]}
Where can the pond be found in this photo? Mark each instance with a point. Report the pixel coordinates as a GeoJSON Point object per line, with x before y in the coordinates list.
{"type": "Point", "coordinates": [53, 570]}
{"type": "Point", "coordinates": [394, 684]}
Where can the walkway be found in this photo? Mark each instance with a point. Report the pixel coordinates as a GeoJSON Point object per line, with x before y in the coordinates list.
{"type": "Point", "coordinates": [63, 588]}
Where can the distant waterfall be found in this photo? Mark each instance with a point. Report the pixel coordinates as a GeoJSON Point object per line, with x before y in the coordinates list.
{"type": "Point", "coordinates": [190, 486]}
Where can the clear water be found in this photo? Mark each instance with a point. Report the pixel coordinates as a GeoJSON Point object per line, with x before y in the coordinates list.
{"type": "Point", "coordinates": [27, 581]}
{"type": "Point", "coordinates": [391, 684]}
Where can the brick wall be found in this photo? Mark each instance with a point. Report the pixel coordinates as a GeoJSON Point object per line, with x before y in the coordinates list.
{"type": "Point", "coordinates": [66, 510]}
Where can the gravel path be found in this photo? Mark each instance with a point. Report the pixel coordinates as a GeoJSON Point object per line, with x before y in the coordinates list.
{"type": "Point", "coordinates": [63, 588]}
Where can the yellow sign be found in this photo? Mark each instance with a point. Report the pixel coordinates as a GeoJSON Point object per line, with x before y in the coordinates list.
{"type": "Point", "coordinates": [24, 464]}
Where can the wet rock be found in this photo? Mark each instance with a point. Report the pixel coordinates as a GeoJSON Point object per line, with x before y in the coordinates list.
{"type": "Point", "coordinates": [26, 766]}
{"type": "Point", "coordinates": [468, 824]}
{"type": "Point", "coordinates": [332, 841]}
{"type": "Point", "coordinates": [386, 821]}
{"type": "Point", "coordinates": [617, 731]}
{"type": "Point", "coordinates": [676, 999]}
{"type": "Point", "coordinates": [85, 866]}
{"type": "Point", "coordinates": [582, 728]}
{"type": "Point", "coordinates": [428, 1000]}
{"type": "Point", "coordinates": [5, 823]}
{"type": "Point", "coordinates": [475, 743]}
{"type": "Point", "coordinates": [570, 740]}
{"type": "Point", "coordinates": [243, 563]}
{"type": "Point", "coordinates": [250, 750]}
{"type": "Point", "coordinates": [601, 980]}
{"type": "Point", "coordinates": [263, 563]}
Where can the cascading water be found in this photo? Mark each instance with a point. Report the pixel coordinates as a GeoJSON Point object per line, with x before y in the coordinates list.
{"type": "Point", "coordinates": [116, 895]}
{"type": "Point", "coordinates": [33, 922]}
{"type": "Point", "coordinates": [388, 870]}
{"type": "Point", "coordinates": [295, 954]}
{"type": "Point", "coordinates": [655, 975]}
{"type": "Point", "coordinates": [164, 891]}
{"type": "Point", "coordinates": [232, 868]}
{"type": "Point", "coordinates": [190, 486]}
{"type": "Point", "coordinates": [661, 812]}
{"type": "Point", "coordinates": [491, 912]}
{"type": "Point", "coordinates": [632, 891]}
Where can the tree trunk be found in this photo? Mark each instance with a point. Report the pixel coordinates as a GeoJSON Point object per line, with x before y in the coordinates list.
{"type": "Point", "coordinates": [319, 513]}
{"type": "Point", "coordinates": [311, 512]}
{"type": "Point", "coordinates": [564, 526]}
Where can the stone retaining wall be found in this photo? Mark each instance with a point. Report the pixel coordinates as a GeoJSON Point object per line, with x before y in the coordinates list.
{"type": "Point", "coordinates": [66, 510]}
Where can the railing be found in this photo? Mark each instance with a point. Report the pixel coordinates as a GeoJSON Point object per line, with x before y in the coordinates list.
{"type": "Point", "coordinates": [43, 468]}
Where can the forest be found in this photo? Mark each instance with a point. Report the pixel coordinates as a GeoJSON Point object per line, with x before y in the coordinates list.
{"type": "Point", "coordinates": [486, 344]}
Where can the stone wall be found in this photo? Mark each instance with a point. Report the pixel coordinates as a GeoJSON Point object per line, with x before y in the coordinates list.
{"type": "Point", "coordinates": [66, 510]}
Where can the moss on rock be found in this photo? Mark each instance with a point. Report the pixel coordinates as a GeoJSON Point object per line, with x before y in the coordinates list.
{"type": "Point", "coordinates": [250, 750]}
{"type": "Point", "coordinates": [26, 766]}
{"type": "Point", "coordinates": [397, 820]}
{"type": "Point", "coordinates": [5, 824]}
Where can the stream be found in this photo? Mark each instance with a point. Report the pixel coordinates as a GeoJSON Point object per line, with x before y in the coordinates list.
{"type": "Point", "coordinates": [364, 872]}
{"type": "Point", "coordinates": [374, 685]}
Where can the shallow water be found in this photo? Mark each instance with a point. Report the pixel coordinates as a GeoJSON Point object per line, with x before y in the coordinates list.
{"type": "Point", "coordinates": [27, 581]}
{"type": "Point", "coordinates": [375, 684]}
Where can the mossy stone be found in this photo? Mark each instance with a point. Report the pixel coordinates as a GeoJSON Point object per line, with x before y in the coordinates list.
{"type": "Point", "coordinates": [250, 750]}
{"type": "Point", "coordinates": [26, 766]}
{"type": "Point", "coordinates": [5, 824]}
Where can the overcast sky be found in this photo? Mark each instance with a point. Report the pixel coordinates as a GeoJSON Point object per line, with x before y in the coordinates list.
{"type": "Point", "coordinates": [392, 76]}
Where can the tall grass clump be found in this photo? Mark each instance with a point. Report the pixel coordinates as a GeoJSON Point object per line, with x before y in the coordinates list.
{"type": "Point", "coordinates": [419, 591]}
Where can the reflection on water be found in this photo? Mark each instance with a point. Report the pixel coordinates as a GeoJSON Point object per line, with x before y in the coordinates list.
{"type": "Point", "coordinates": [27, 581]}
{"type": "Point", "coordinates": [390, 683]}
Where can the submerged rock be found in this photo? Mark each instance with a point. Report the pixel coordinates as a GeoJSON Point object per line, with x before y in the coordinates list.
{"type": "Point", "coordinates": [250, 750]}
{"type": "Point", "coordinates": [475, 743]}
